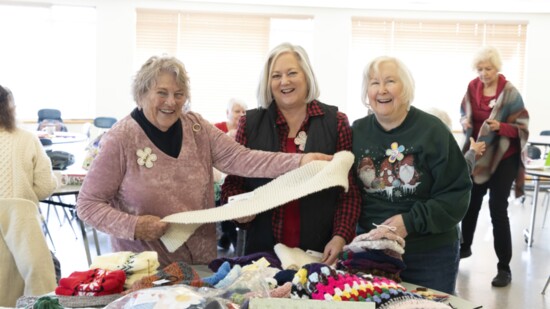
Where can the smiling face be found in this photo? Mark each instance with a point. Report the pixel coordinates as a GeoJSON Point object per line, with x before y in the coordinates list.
{"type": "Point", "coordinates": [163, 103]}
{"type": "Point", "coordinates": [385, 94]}
{"type": "Point", "coordinates": [487, 72]}
{"type": "Point", "coordinates": [288, 82]}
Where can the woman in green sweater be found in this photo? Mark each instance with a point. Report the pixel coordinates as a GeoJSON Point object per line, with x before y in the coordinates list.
{"type": "Point", "coordinates": [412, 174]}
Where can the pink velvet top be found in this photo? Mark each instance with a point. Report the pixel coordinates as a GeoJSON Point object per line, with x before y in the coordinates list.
{"type": "Point", "coordinates": [117, 189]}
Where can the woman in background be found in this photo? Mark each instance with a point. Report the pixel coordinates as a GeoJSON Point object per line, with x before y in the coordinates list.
{"type": "Point", "coordinates": [413, 177]}
{"type": "Point", "coordinates": [26, 173]}
{"type": "Point", "coordinates": [235, 109]}
{"type": "Point", "coordinates": [493, 111]}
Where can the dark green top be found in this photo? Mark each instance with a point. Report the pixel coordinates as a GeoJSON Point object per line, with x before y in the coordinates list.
{"type": "Point", "coordinates": [416, 170]}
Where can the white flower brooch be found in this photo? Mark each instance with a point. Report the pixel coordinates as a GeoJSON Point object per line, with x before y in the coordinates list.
{"type": "Point", "coordinates": [301, 140]}
{"type": "Point", "coordinates": [146, 157]}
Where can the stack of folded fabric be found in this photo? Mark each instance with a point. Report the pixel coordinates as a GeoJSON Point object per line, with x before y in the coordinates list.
{"type": "Point", "coordinates": [322, 282]}
{"type": "Point", "coordinates": [134, 265]}
{"type": "Point", "coordinates": [381, 257]}
{"type": "Point", "coordinates": [93, 282]}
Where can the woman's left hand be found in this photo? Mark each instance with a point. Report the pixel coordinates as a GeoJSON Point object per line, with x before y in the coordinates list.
{"type": "Point", "coordinates": [397, 222]}
{"type": "Point", "coordinates": [333, 249]}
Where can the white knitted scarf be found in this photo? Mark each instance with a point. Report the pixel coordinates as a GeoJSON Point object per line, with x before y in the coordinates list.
{"type": "Point", "coordinates": [310, 178]}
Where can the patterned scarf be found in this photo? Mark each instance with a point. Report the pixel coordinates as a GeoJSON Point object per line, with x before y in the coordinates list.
{"type": "Point", "coordinates": [509, 108]}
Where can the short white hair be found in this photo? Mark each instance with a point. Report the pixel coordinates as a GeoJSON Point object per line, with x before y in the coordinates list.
{"type": "Point", "coordinates": [235, 101]}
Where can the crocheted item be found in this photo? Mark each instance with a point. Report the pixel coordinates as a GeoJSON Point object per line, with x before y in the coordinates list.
{"type": "Point", "coordinates": [94, 282]}
{"type": "Point", "coordinates": [293, 258]}
{"type": "Point", "coordinates": [322, 282]}
{"type": "Point", "coordinates": [310, 178]}
{"type": "Point", "coordinates": [175, 273]}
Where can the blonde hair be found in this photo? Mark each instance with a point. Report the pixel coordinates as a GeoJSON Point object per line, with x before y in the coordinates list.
{"type": "Point", "coordinates": [265, 97]}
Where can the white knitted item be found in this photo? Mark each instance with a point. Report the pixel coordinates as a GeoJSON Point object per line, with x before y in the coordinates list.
{"type": "Point", "coordinates": [310, 178]}
{"type": "Point", "coordinates": [293, 258]}
{"type": "Point", "coordinates": [378, 244]}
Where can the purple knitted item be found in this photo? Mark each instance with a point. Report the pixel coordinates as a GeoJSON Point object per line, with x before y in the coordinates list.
{"type": "Point", "coordinates": [246, 260]}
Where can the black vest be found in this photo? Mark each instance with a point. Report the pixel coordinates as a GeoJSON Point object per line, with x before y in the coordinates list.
{"type": "Point", "coordinates": [316, 210]}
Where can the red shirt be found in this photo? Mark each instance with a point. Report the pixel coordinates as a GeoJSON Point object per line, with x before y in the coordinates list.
{"type": "Point", "coordinates": [291, 212]}
{"type": "Point", "coordinates": [222, 126]}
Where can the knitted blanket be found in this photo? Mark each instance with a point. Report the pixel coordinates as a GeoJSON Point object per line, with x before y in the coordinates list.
{"type": "Point", "coordinates": [310, 178]}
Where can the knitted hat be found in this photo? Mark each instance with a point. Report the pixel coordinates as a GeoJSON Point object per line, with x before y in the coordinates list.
{"type": "Point", "coordinates": [310, 178]}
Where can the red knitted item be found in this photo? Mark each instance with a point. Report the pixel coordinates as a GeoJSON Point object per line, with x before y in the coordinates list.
{"type": "Point", "coordinates": [93, 282]}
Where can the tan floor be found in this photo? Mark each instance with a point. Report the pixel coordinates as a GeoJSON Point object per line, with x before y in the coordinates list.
{"type": "Point", "coordinates": [530, 266]}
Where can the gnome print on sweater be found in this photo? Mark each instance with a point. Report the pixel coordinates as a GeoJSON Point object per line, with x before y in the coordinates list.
{"type": "Point", "coordinates": [391, 174]}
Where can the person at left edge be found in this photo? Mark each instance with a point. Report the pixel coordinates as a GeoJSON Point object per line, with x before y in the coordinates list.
{"type": "Point", "coordinates": [158, 161]}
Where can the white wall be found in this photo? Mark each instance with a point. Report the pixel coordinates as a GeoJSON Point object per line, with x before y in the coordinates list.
{"type": "Point", "coordinates": [116, 33]}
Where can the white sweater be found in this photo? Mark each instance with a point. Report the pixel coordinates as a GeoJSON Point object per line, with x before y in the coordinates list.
{"type": "Point", "coordinates": [25, 169]}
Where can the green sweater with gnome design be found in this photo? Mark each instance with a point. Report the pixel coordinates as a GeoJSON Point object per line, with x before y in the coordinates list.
{"type": "Point", "coordinates": [416, 170]}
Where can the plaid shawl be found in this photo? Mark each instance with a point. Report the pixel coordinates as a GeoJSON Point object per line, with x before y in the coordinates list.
{"type": "Point", "coordinates": [509, 108]}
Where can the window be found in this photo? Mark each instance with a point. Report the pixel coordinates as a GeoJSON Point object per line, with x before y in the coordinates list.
{"type": "Point", "coordinates": [439, 54]}
{"type": "Point", "coordinates": [48, 58]}
{"type": "Point", "coordinates": [222, 53]}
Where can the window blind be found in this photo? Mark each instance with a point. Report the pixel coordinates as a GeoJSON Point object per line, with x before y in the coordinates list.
{"type": "Point", "coordinates": [223, 53]}
{"type": "Point", "coordinates": [438, 52]}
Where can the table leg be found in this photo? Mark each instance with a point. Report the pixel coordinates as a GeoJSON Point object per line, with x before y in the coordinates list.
{"type": "Point", "coordinates": [85, 240]}
{"type": "Point", "coordinates": [529, 232]}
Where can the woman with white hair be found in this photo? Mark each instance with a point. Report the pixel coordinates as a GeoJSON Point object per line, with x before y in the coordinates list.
{"type": "Point", "coordinates": [413, 177]}
{"type": "Point", "coordinates": [493, 111]}
{"type": "Point", "coordinates": [235, 109]}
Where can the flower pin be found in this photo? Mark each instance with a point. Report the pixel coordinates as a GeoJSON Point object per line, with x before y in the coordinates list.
{"type": "Point", "coordinates": [492, 103]}
{"type": "Point", "coordinates": [395, 153]}
{"type": "Point", "coordinates": [300, 140]}
{"type": "Point", "coordinates": [146, 157]}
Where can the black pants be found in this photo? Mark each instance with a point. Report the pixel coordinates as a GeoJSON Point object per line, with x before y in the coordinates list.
{"type": "Point", "coordinates": [499, 186]}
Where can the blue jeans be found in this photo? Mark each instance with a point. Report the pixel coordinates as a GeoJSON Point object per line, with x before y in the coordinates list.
{"type": "Point", "coordinates": [436, 269]}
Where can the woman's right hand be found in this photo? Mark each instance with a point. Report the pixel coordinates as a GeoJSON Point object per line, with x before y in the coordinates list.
{"type": "Point", "coordinates": [149, 228]}
{"type": "Point", "coordinates": [312, 156]}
